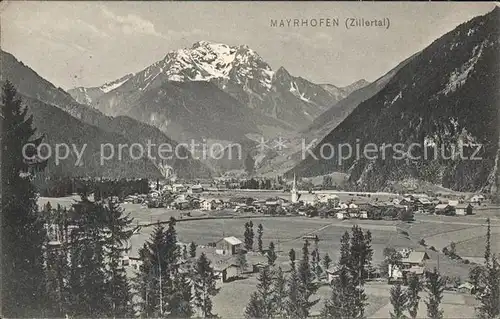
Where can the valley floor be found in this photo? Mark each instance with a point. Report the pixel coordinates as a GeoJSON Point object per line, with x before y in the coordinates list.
{"type": "Point", "coordinates": [286, 232]}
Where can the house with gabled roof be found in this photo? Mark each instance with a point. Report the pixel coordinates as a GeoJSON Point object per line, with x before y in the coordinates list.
{"type": "Point", "coordinates": [228, 246]}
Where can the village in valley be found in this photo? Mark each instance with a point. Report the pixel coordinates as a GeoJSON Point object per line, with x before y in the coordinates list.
{"type": "Point", "coordinates": [242, 231]}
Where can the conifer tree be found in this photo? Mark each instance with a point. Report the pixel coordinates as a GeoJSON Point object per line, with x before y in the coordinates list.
{"type": "Point", "coordinates": [487, 250]}
{"type": "Point", "coordinates": [307, 285]}
{"type": "Point", "coordinates": [348, 263]}
{"type": "Point", "coordinates": [180, 301]}
{"type": "Point", "coordinates": [204, 286]}
{"type": "Point", "coordinates": [150, 280]}
{"type": "Point", "coordinates": [57, 266]}
{"type": "Point", "coordinates": [271, 254]}
{"type": "Point", "coordinates": [291, 255]}
{"type": "Point", "coordinates": [260, 232]}
{"type": "Point", "coordinates": [192, 250]}
{"type": "Point", "coordinates": [293, 302]}
{"type": "Point", "coordinates": [265, 292]}
{"type": "Point", "coordinates": [171, 257]}
{"type": "Point", "coordinates": [360, 255]}
{"type": "Point", "coordinates": [435, 287]}
{"type": "Point", "coordinates": [476, 276]}
{"type": "Point", "coordinates": [23, 274]}
{"type": "Point", "coordinates": [414, 288]}
{"type": "Point", "coordinates": [345, 251]}
{"type": "Point", "coordinates": [346, 301]}
{"type": "Point", "coordinates": [248, 236]}
{"type": "Point", "coordinates": [88, 285]}
{"type": "Point", "coordinates": [280, 292]}
{"type": "Point", "coordinates": [117, 225]}
{"type": "Point", "coordinates": [399, 301]}
{"type": "Point", "coordinates": [326, 262]}
{"type": "Point", "coordinates": [489, 298]}
{"type": "Point", "coordinates": [185, 255]}
{"type": "Point", "coordinates": [251, 235]}
{"type": "Point", "coordinates": [241, 260]}
{"type": "Point", "coordinates": [254, 309]}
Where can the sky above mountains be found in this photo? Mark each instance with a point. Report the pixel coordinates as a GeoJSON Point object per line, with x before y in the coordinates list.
{"type": "Point", "coordinates": [89, 43]}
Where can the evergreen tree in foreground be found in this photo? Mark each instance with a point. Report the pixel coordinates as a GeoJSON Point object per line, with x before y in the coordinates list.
{"type": "Point", "coordinates": [399, 300]}
{"type": "Point", "coordinates": [307, 285]}
{"type": "Point", "coordinates": [265, 291]}
{"type": "Point", "coordinates": [327, 261]}
{"type": "Point", "coordinates": [260, 232]}
{"type": "Point", "coordinates": [22, 234]}
{"type": "Point", "coordinates": [490, 296]}
{"type": "Point", "coordinates": [241, 261]}
{"type": "Point", "coordinates": [489, 278]}
{"type": "Point", "coordinates": [293, 302]}
{"type": "Point", "coordinates": [435, 287]}
{"type": "Point", "coordinates": [118, 287]}
{"type": "Point", "coordinates": [248, 236]}
{"type": "Point", "coordinates": [291, 255]}
{"type": "Point", "coordinates": [150, 280]}
{"type": "Point", "coordinates": [263, 298]}
{"type": "Point", "coordinates": [204, 286]}
{"type": "Point", "coordinates": [280, 292]}
{"type": "Point", "coordinates": [180, 302]}
{"type": "Point", "coordinates": [346, 301]}
{"type": "Point", "coordinates": [57, 265]}
{"type": "Point", "coordinates": [192, 250]}
{"type": "Point", "coordinates": [254, 309]}
{"type": "Point", "coordinates": [88, 286]}
{"type": "Point", "coordinates": [414, 288]}
{"type": "Point", "coordinates": [271, 254]}
{"type": "Point", "coordinates": [347, 290]}
{"type": "Point", "coordinates": [487, 250]}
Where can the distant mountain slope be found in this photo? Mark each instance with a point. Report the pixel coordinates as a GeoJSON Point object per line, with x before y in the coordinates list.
{"type": "Point", "coordinates": [43, 94]}
{"type": "Point", "coordinates": [60, 127]}
{"type": "Point", "coordinates": [446, 95]}
{"type": "Point", "coordinates": [88, 95]}
{"type": "Point", "coordinates": [235, 70]}
{"type": "Point", "coordinates": [355, 86]}
{"type": "Point", "coordinates": [332, 117]}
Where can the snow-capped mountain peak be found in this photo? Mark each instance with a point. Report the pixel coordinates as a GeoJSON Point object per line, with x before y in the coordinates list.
{"type": "Point", "coordinates": [237, 70]}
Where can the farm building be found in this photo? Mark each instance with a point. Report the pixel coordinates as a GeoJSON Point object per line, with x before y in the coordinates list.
{"type": "Point", "coordinates": [332, 273]}
{"type": "Point", "coordinates": [423, 204]}
{"type": "Point", "coordinates": [195, 189]}
{"type": "Point", "coordinates": [463, 209]}
{"type": "Point", "coordinates": [476, 199]}
{"type": "Point", "coordinates": [342, 215]}
{"type": "Point", "coordinates": [415, 258]}
{"type": "Point", "coordinates": [226, 270]}
{"type": "Point", "coordinates": [228, 246]}
{"type": "Point", "coordinates": [207, 204]}
{"type": "Point", "coordinates": [444, 209]}
{"type": "Point", "coordinates": [413, 263]}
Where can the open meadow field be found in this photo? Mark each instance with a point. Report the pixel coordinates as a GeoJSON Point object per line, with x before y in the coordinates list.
{"type": "Point", "coordinates": [286, 232]}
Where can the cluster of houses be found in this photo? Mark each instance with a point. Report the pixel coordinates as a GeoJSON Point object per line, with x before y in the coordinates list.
{"type": "Point", "coordinates": [422, 203]}
{"type": "Point", "coordinates": [199, 196]}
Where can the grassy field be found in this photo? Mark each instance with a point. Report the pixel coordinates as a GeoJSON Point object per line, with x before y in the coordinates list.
{"type": "Point", "coordinates": [286, 232]}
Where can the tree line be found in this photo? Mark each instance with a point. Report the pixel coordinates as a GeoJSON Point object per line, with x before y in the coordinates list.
{"type": "Point", "coordinates": [102, 188]}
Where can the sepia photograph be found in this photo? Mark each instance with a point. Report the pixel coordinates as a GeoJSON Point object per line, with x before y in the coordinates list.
{"type": "Point", "coordinates": [249, 159]}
